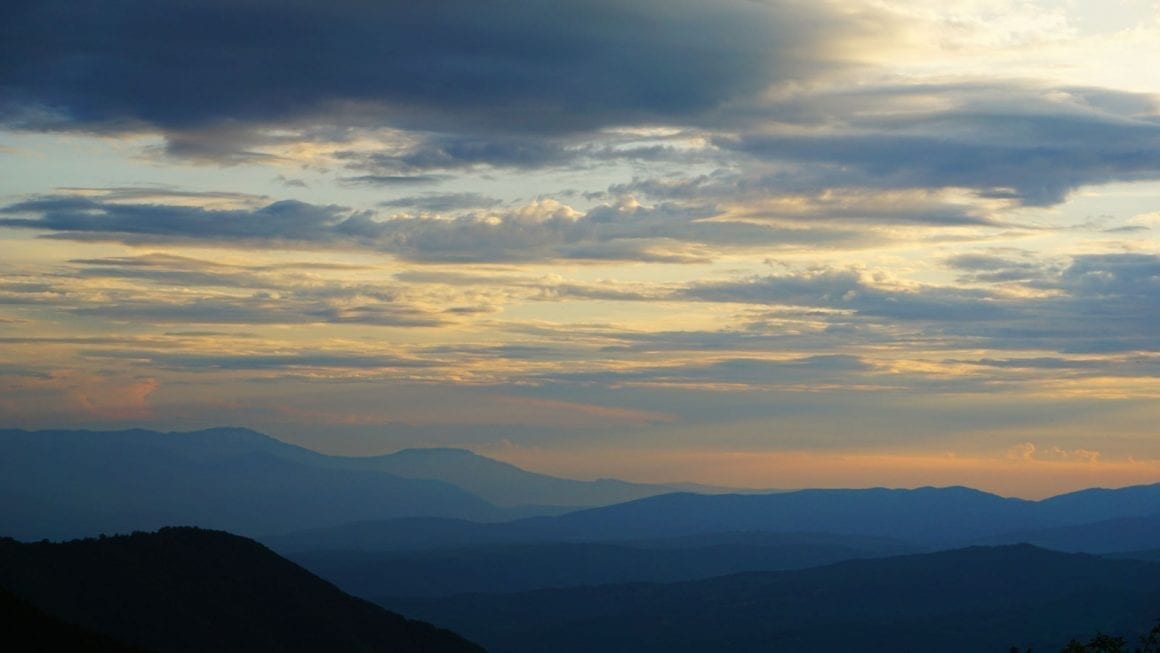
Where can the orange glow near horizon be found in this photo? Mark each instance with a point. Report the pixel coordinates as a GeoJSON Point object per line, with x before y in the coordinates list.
{"type": "Point", "coordinates": [1026, 478]}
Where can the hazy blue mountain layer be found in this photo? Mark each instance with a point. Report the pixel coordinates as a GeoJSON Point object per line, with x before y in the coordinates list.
{"type": "Point", "coordinates": [967, 600]}
{"type": "Point", "coordinates": [1104, 536]}
{"type": "Point", "coordinates": [522, 567]}
{"type": "Point", "coordinates": [507, 485]}
{"type": "Point", "coordinates": [72, 483]}
{"type": "Point", "coordinates": [60, 484]}
{"type": "Point", "coordinates": [927, 517]}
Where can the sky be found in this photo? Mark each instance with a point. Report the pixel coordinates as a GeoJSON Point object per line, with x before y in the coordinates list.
{"type": "Point", "coordinates": [749, 243]}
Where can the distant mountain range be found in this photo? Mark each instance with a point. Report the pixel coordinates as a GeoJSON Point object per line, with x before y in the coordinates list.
{"type": "Point", "coordinates": [65, 484]}
{"type": "Point", "coordinates": [190, 590]}
{"type": "Point", "coordinates": [925, 517]}
{"type": "Point", "coordinates": [1105, 536]}
{"type": "Point", "coordinates": [61, 484]}
{"type": "Point", "coordinates": [685, 537]}
{"type": "Point", "coordinates": [506, 557]}
{"type": "Point", "coordinates": [962, 601]}
{"type": "Point", "coordinates": [521, 567]}
{"type": "Point", "coordinates": [507, 485]}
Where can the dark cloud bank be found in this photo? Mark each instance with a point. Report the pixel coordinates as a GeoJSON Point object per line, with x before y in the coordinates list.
{"type": "Point", "coordinates": [514, 84]}
{"type": "Point", "coordinates": [544, 66]}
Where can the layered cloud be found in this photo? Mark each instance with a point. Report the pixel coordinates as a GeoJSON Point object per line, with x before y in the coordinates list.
{"type": "Point", "coordinates": [780, 224]}
{"type": "Point", "coordinates": [1018, 142]}
{"type": "Point", "coordinates": [540, 231]}
{"type": "Point", "coordinates": [1096, 303]}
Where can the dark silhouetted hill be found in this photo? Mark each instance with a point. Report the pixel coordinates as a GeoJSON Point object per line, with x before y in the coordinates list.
{"type": "Point", "coordinates": [27, 629]}
{"type": "Point", "coordinates": [187, 589]}
{"type": "Point", "coordinates": [961, 601]}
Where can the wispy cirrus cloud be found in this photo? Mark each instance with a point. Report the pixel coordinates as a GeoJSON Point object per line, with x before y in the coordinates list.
{"type": "Point", "coordinates": [217, 293]}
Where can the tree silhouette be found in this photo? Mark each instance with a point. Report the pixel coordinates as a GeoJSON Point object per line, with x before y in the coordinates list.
{"type": "Point", "coordinates": [1151, 641]}
{"type": "Point", "coordinates": [1101, 643]}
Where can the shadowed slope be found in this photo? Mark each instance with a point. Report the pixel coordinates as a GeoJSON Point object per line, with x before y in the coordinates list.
{"type": "Point", "coordinates": [523, 567]}
{"type": "Point", "coordinates": [37, 631]}
{"type": "Point", "coordinates": [962, 601]}
{"type": "Point", "coordinates": [185, 589]}
{"type": "Point", "coordinates": [928, 516]}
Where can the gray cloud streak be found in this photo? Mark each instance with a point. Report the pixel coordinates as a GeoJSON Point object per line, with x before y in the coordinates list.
{"type": "Point", "coordinates": [663, 233]}
{"type": "Point", "coordinates": [1101, 303]}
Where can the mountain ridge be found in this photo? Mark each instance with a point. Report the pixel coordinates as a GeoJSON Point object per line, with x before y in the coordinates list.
{"type": "Point", "coordinates": [928, 516]}
{"type": "Point", "coordinates": [45, 477]}
{"type": "Point", "coordinates": [63, 484]}
{"type": "Point", "coordinates": [958, 601]}
{"type": "Point", "coordinates": [186, 589]}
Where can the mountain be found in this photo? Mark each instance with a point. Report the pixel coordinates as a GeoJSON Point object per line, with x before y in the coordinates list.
{"type": "Point", "coordinates": [1095, 504]}
{"type": "Point", "coordinates": [37, 630]}
{"type": "Point", "coordinates": [967, 600]}
{"type": "Point", "coordinates": [924, 516]}
{"type": "Point", "coordinates": [186, 589]}
{"type": "Point", "coordinates": [60, 484]}
{"type": "Point", "coordinates": [523, 567]}
{"type": "Point", "coordinates": [1151, 555]}
{"type": "Point", "coordinates": [508, 485]}
{"type": "Point", "coordinates": [1105, 536]}
{"type": "Point", "coordinates": [930, 518]}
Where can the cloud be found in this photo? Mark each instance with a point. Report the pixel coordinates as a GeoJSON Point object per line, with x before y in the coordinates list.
{"type": "Point", "coordinates": [451, 152]}
{"type": "Point", "coordinates": [540, 231]}
{"type": "Point", "coordinates": [442, 202]}
{"type": "Point", "coordinates": [217, 293]}
{"type": "Point", "coordinates": [1099, 303]}
{"type": "Point", "coordinates": [263, 308]}
{"type": "Point", "coordinates": [391, 180]}
{"type": "Point", "coordinates": [813, 372]}
{"type": "Point", "coordinates": [412, 153]}
{"type": "Point", "coordinates": [1140, 366]}
{"type": "Point", "coordinates": [1028, 451]}
{"type": "Point", "coordinates": [557, 66]}
{"type": "Point", "coordinates": [1132, 277]}
{"type": "Point", "coordinates": [1029, 144]}
{"type": "Point", "coordinates": [262, 361]}
{"type": "Point", "coordinates": [991, 268]}
{"type": "Point", "coordinates": [851, 290]}
{"type": "Point", "coordinates": [79, 217]}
